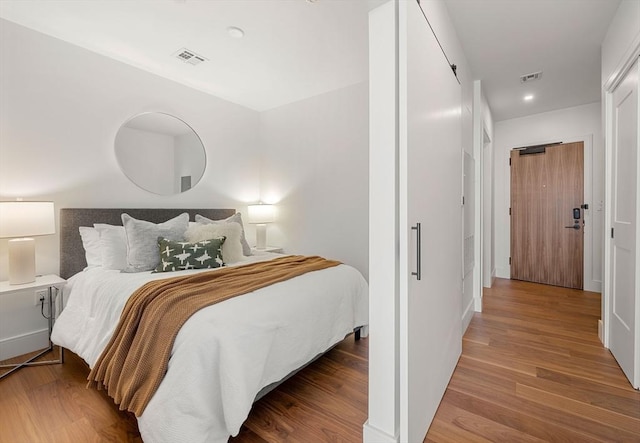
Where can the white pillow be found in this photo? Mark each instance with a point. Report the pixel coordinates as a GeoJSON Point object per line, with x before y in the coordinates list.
{"type": "Point", "coordinates": [91, 243]}
{"type": "Point", "coordinates": [235, 218]}
{"type": "Point", "coordinates": [113, 246]}
{"type": "Point", "coordinates": [142, 240]}
{"type": "Point", "coordinates": [231, 248]}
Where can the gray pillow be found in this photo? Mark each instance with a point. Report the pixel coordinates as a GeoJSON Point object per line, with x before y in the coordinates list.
{"type": "Point", "coordinates": [235, 218]}
{"type": "Point", "coordinates": [142, 240]}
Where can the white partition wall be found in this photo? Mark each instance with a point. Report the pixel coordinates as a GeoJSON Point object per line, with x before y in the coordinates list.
{"type": "Point", "coordinates": [382, 425]}
{"type": "Point", "coordinates": [415, 224]}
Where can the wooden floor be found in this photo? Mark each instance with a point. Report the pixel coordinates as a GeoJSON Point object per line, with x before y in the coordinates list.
{"type": "Point", "coordinates": [327, 401]}
{"type": "Point", "coordinates": [532, 370]}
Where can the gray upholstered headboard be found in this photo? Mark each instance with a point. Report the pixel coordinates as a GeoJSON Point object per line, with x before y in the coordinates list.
{"type": "Point", "coordinates": [72, 258]}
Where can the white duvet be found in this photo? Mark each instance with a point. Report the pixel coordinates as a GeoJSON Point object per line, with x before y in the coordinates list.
{"type": "Point", "coordinates": [224, 354]}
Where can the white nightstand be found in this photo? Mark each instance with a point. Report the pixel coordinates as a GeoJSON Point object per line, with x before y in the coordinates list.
{"type": "Point", "coordinates": [49, 282]}
{"type": "Point", "coordinates": [274, 249]}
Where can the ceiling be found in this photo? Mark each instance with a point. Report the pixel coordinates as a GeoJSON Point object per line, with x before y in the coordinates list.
{"type": "Point", "coordinates": [291, 49]}
{"type": "Point", "coordinates": [504, 39]}
{"type": "Point", "coordinates": [294, 49]}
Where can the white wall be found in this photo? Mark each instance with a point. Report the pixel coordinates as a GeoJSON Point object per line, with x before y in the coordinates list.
{"type": "Point", "coordinates": [567, 125]}
{"type": "Point", "coordinates": [383, 423]}
{"type": "Point", "coordinates": [60, 109]}
{"type": "Point", "coordinates": [315, 167]}
{"type": "Point", "coordinates": [621, 40]}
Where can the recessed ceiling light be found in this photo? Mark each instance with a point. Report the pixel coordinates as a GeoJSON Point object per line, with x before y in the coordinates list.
{"type": "Point", "coordinates": [235, 32]}
{"type": "Point", "coordinates": [528, 97]}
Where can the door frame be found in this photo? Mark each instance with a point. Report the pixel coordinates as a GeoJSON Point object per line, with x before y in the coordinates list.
{"type": "Point", "coordinates": [488, 270]}
{"type": "Point", "coordinates": [607, 91]}
{"type": "Point", "coordinates": [589, 283]}
{"type": "Point", "coordinates": [482, 146]}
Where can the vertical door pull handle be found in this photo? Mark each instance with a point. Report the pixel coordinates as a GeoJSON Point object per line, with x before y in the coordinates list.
{"type": "Point", "coordinates": [418, 272]}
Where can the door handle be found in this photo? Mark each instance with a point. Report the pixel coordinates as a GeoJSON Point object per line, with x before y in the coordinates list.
{"type": "Point", "coordinates": [576, 226]}
{"type": "Point", "coordinates": [418, 272]}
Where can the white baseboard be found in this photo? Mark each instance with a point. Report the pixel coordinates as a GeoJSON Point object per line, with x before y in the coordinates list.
{"type": "Point", "coordinates": [22, 344]}
{"type": "Point", "coordinates": [467, 315]}
{"type": "Point", "coordinates": [493, 276]}
{"type": "Point", "coordinates": [503, 272]}
{"type": "Point", "coordinates": [593, 286]}
{"type": "Point", "coordinates": [477, 304]}
{"type": "Point", "coordinates": [372, 434]}
{"type": "Point", "coordinates": [600, 331]}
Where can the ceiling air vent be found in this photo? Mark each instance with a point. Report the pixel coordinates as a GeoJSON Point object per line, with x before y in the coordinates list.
{"type": "Point", "coordinates": [531, 77]}
{"type": "Point", "coordinates": [188, 56]}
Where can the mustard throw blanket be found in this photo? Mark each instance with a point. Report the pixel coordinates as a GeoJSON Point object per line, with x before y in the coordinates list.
{"type": "Point", "coordinates": [134, 362]}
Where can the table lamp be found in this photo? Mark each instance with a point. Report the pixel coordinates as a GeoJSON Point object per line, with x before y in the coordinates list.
{"type": "Point", "coordinates": [21, 220]}
{"type": "Point", "coordinates": [260, 215]}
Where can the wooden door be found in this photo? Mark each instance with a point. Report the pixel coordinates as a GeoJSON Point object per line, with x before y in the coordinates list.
{"type": "Point", "coordinates": [430, 158]}
{"type": "Point", "coordinates": [547, 238]}
{"type": "Point", "coordinates": [624, 295]}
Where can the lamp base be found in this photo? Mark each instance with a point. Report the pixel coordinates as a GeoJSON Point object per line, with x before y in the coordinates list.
{"type": "Point", "coordinates": [22, 261]}
{"type": "Point", "coordinates": [261, 236]}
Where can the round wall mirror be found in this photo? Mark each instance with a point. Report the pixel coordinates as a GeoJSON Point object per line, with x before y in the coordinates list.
{"type": "Point", "coordinates": [160, 153]}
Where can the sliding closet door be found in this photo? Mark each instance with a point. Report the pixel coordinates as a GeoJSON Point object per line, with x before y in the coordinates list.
{"type": "Point", "coordinates": [430, 222]}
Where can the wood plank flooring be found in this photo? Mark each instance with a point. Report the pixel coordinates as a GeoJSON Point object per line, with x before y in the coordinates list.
{"type": "Point", "coordinates": [532, 370]}
{"type": "Point", "coordinates": [327, 401]}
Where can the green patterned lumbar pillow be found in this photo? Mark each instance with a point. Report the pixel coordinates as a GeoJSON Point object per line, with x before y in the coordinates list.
{"type": "Point", "coordinates": [179, 255]}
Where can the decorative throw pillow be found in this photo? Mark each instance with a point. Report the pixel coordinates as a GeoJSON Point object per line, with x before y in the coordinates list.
{"type": "Point", "coordinates": [235, 218]}
{"type": "Point", "coordinates": [113, 246]}
{"type": "Point", "coordinates": [231, 249]}
{"type": "Point", "coordinates": [142, 240]}
{"type": "Point", "coordinates": [179, 255]}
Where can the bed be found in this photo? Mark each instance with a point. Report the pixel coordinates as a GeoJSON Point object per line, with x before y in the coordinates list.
{"type": "Point", "coordinates": [226, 355]}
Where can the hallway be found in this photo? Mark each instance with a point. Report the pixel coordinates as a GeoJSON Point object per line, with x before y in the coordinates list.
{"type": "Point", "coordinates": [533, 369]}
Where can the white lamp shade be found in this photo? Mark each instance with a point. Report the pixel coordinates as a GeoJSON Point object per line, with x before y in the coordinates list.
{"type": "Point", "coordinates": [260, 214]}
{"type": "Point", "coordinates": [26, 219]}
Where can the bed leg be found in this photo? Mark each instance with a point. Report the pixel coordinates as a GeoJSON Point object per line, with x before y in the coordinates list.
{"type": "Point", "coordinates": [356, 332]}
